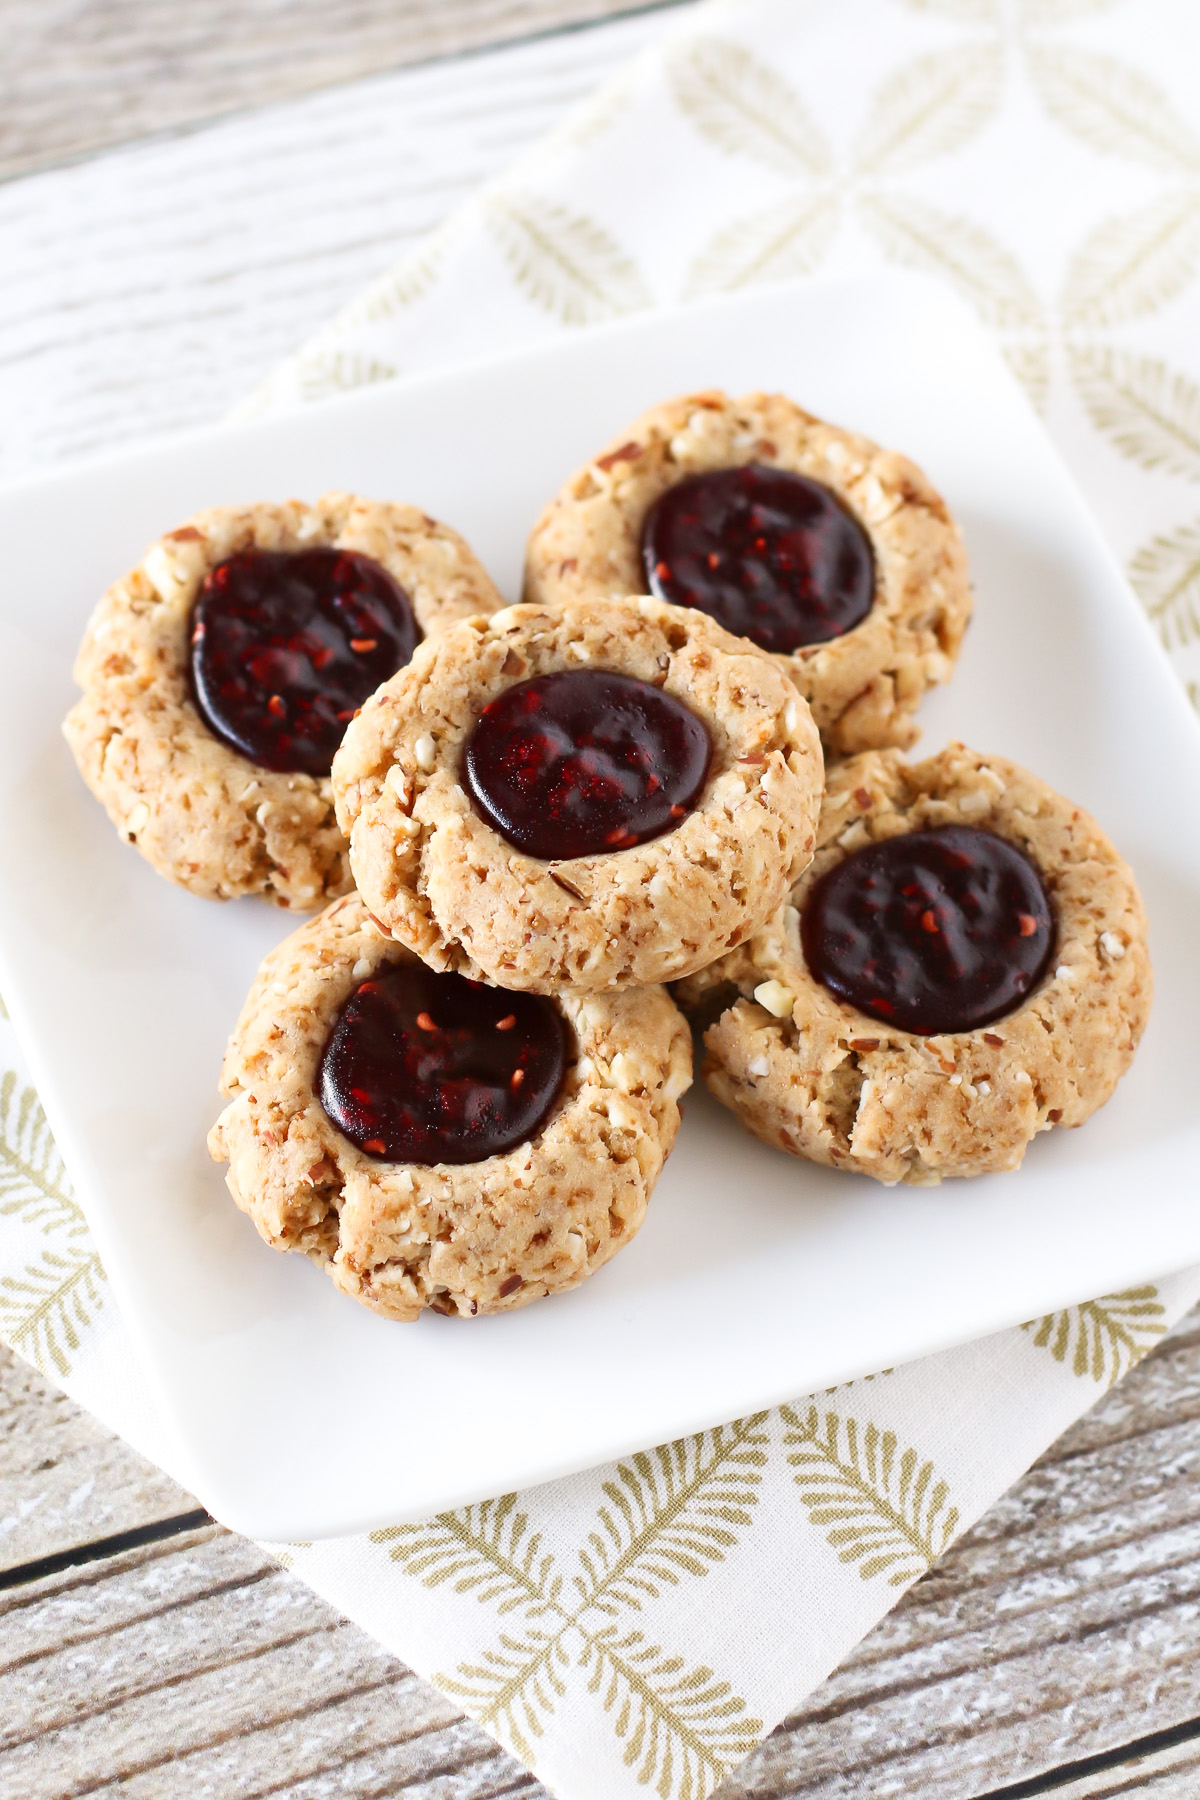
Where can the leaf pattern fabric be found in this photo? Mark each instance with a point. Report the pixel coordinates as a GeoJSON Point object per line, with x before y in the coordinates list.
{"type": "Point", "coordinates": [1112, 106]}
{"type": "Point", "coordinates": [635, 1629]}
{"type": "Point", "coordinates": [53, 1286]}
{"type": "Point", "coordinates": [886, 1508]}
{"type": "Point", "coordinates": [662, 1516]}
{"type": "Point", "coordinates": [564, 261]}
{"type": "Point", "coordinates": [740, 104]}
{"type": "Point", "coordinates": [1103, 1338]}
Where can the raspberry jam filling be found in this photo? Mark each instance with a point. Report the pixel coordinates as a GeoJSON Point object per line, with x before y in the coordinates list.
{"type": "Point", "coordinates": [584, 761]}
{"type": "Point", "coordinates": [429, 1068]}
{"type": "Point", "coordinates": [770, 555]}
{"type": "Point", "coordinates": [932, 931]}
{"type": "Point", "coordinates": [286, 646]}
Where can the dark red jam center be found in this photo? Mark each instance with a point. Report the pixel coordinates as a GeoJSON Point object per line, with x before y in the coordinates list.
{"type": "Point", "coordinates": [932, 931]}
{"type": "Point", "coordinates": [584, 761]}
{"type": "Point", "coordinates": [286, 646]}
{"type": "Point", "coordinates": [429, 1068]}
{"type": "Point", "coordinates": [770, 555]}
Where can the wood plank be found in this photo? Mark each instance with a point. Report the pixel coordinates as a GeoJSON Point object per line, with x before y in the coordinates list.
{"type": "Point", "coordinates": [205, 1656]}
{"type": "Point", "coordinates": [81, 77]}
{"type": "Point", "coordinates": [1065, 1624]}
{"type": "Point", "coordinates": [1172, 1774]}
{"type": "Point", "coordinates": [152, 288]}
{"type": "Point", "coordinates": [64, 1480]}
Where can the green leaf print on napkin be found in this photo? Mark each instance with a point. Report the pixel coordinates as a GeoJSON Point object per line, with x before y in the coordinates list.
{"type": "Point", "coordinates": [1166, 575]}
{"type": "Point", "coordinates": [1133, 264]}
{"type": "Point", "coordinates": [33, 1180]}
{"type": "Point", "coordinates": [1112, 107]}
{"type": "Point", "coordinates": [49, 1305]}
{"type": "Point", "coordinates": [670, 1512]}
{"type": "Point", "coordinates": [741, 106]}
{"type": "Point", "coordinates": [923, 237]}
{"type": "Point", "coordinates": [885, 1507]}
{"type": "Point", "coordinates": [679, 1724]}
{"type": "Point", "coordinates": [1151, 413]}
{"type": "Point", "coordinates": [487, 1550]}
{"type": "Point", "coordinates": [45, 1312]}
{"type": "Point", "coordinates": [667, 1516]}
{"type": "Point", "coordinates": [930, 108]}
{"type": "Point", "coordinates": [787, 239]}
{"type": "Point", "coordinates": [1102, 1338]}
{"type": "Point", "coordinates": [566, 263]}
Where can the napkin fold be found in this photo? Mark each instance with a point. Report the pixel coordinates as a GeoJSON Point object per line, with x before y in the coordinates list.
{"type": "Point", "coordinates": [641, 1626]}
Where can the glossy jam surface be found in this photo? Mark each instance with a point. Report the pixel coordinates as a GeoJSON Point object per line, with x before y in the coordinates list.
{"type": "Point", "coordinates": [931, 931]}
{"type": "Point", "coordinates": [770, 555]}
{"type": "Point", "coordinates": [429, 1068]}
{"type": "Point", "coordinates": [585, 761]}
{"type": "Point", "coordinates": [286, 646]}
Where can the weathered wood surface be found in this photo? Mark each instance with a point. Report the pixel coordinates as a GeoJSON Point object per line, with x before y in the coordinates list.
{"type": "Point", "coordinates": [1172, 1774]}
{"type": "Point", "coordinates": [64, 1480]}
{"type": "Point", "coordinates": [199, 1666]}
{"type": "Point", "coordinates": [152, 288]}
{"type": "Point", "coordinates": [1065, 1626]}
{"type": "Point", "coordinates": [79, 77]}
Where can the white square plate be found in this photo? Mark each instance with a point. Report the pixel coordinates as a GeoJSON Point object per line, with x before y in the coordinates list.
{"type": "Point", "coordinates": [755, 1278]}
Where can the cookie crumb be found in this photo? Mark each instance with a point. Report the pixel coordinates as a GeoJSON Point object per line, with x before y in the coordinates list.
{"type": "Point", "coordinates": [774, 998]}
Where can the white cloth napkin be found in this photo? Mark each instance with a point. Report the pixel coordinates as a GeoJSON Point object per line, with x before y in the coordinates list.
{"type": "Point", "coordinates": [642, 1625]}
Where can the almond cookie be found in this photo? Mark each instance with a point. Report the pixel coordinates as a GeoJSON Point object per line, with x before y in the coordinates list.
{"type": "Point", "coordinates": [605, 792]}
{"type": "Point", "coordinates": [220, 674]}
{"type": "Point", "coordinates": [834, 555]}
{"type": "Point", "coordinates": [432, 1142]}
{"type": "Point", "coordinates": [963, 965]}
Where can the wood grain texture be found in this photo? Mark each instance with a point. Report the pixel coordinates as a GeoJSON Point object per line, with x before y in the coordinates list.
{"type": "Point", "coordinates": [80, 75]}
{"type": "Point", "coordinates": [201, 1667]}
{"type": "Point", "coordinates": [64, 1480]}
{"type": "Point", "coordinates": [152, 288]}
{"type": "Point", "coordinates": [1066, 1624]}
{"type": "Point", "coordinates": [1164, 1775]}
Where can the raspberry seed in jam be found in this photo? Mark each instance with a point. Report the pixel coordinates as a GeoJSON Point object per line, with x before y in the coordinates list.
{"type": "Point", "coordinates": [429, 1068]}
{"type": "Point", "coordinates": [931, 931]}
{"type": "Point", "coordinates": [772, 556]}
{"type": "Point", "coordinates": [286, 646]}
{"type": "Point", "coordinates": [585, 761]}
